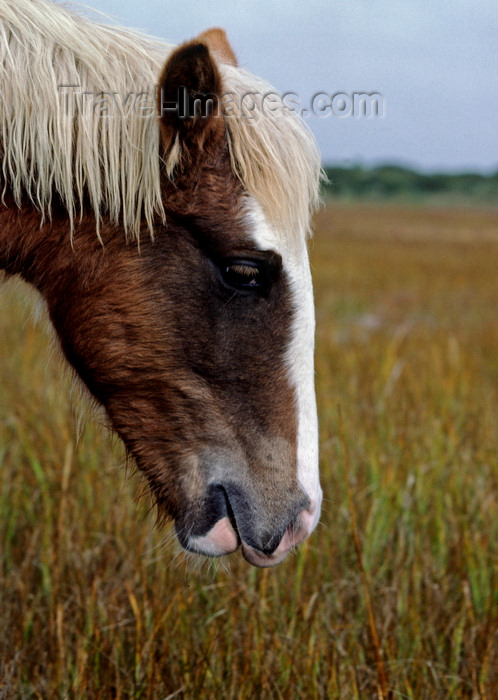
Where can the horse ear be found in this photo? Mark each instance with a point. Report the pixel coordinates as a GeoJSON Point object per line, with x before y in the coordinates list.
{"type": "Point", "coordinates": [190, 89]}
{"type": "Point", "coordinates": [217, 41]}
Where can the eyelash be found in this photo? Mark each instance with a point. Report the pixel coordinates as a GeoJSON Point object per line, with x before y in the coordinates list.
{"type": "Point", "coordinates": [247, 276]}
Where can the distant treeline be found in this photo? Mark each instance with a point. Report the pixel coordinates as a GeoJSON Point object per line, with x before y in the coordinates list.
{"type": "Point", "coordinates": [393, 181]}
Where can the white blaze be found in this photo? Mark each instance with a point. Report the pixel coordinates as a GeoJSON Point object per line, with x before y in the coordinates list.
{"type": "Point", "coordinates": [300, 353]}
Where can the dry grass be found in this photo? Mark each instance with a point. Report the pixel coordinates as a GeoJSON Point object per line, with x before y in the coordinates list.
{"type": "Point", "coordinates": [395, 595]}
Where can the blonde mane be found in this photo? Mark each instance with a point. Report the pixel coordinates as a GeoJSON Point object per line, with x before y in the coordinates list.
{"type": "Point", "coordinates": [77, 119]}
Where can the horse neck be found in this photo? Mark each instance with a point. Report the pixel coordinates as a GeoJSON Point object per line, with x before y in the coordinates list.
{"type": "Point", "coordinates": [26, 245]}
{"type": "Point", "coordinates": [41, 250]}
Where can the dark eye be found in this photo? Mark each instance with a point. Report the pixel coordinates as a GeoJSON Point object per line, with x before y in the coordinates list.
{"type": "Point", "coordinates": [245, 275]}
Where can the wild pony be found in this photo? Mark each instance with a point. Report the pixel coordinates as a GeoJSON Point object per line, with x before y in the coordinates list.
{"type": "Point", "coordinates": [164, 222]}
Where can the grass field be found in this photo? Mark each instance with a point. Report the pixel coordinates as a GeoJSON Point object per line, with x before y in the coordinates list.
{"type": "Point", "coordinates": [396, 593]}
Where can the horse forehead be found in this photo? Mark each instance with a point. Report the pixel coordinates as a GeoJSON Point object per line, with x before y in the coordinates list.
{"type": "Point", "coordinates": [263, 234]}
{"type": "Point", "coordinates": [291, 248]}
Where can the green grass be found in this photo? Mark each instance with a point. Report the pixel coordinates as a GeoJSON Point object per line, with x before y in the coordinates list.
{"type": "Point", "coordinates": [396, 593]}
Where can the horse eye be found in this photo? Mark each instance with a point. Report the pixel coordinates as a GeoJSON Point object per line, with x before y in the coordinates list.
{"type": "Point", "coordinates": [244, 275]}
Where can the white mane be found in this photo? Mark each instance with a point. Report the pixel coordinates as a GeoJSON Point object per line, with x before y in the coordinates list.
{"type": "Point", "coordinates": [78, 119]}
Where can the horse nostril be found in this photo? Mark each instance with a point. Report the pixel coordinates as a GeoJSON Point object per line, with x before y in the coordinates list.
{"type": "Point", "coordinates": [212, 531]}
{"type": "Point", "coordinates": [218, 503]}
{"type": "Point", "coordinates": [229, 510]}
{"type": "Point", "coordinates": [215, 507]}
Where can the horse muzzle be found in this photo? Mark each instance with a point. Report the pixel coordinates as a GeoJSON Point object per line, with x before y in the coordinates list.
{"type": "Point", "coordinates": [230, 517]}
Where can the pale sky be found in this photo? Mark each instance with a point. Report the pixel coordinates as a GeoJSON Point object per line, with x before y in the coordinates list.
{"type": "Point", "coordinates": [434, 62]}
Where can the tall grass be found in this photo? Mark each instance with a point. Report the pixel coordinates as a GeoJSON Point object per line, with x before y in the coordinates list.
{"type": "Point", "coordinates": [395, 595]}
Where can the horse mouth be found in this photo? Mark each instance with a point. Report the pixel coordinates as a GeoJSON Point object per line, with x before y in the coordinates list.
{"type": "Point", "coordinates": [224, 538]}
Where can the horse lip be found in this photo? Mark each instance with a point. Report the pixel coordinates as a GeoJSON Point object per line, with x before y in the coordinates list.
{"type": "Point", "coordinates": [224, 539]}
{"type": "Point", "coordinates": [290, 539]}
{"type": "Point", "coordinates": [219, 531]}
{"type": "Point", "coordinates": [221, 539]}
{"type": "Point", "coordinates": [263, 561]}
